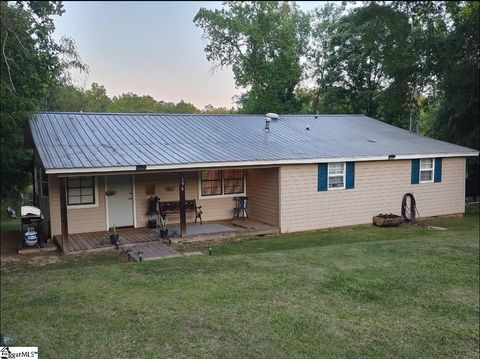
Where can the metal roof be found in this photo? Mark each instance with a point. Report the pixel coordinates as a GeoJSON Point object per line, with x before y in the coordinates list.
{"type": "Point", "coordinates": [114, 141]}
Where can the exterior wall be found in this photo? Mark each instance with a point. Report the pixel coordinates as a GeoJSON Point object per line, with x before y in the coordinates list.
{"type": "Point", "coordinates": [166, 187]}
{"type": "Point", "coordinates": [379, 188]}
{"type": "Point", "coordinates": [292, 191]}
{"type": "Point", "coordinates": [80, 219]}
{"type": "Point", "coordinates": [262, 191]}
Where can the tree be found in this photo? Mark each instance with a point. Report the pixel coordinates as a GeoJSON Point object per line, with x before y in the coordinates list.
{"type": "Point", "coordinates": [210, 109]}
{"type": "Point", "coordinates": [130, 102]}
{"type": "Point", "coordinates": [31, 64]}
{"type": "Point", "coordinates": [185, 107]}
{"type": "Point", "coordinates": [368, 60]}
{"type": "Point", "coordinates": [323, 23]}
{"type": "Point", "coordinates": [96, 99]}
{"type": "Point", "coordinates": [263, 42]}
{"type": "Point", "coordinates": [457, 102]}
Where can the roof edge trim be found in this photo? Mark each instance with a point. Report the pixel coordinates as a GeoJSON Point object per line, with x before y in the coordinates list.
{"type": "Point", "coordinates": [256, 163]}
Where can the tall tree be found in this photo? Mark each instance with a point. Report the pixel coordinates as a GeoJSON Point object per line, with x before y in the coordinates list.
{"type": "Point", "coordinates": [455, 103]}
{"type": "Point", "coordinates": [323, 22]}
{"type": "Point", "coordinates": [31, 63]}
{"type": "Point", "coordinates": [263, 42]}
{"type": "Point", "coordinates": [368, 49]}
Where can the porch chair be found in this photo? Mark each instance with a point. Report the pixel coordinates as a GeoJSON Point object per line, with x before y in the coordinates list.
{"type": "Point", "coordinates": [240, 210]}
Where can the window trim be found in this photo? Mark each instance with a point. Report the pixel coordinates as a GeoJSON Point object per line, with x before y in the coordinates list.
{"type": "Point", "coordinates": [223, 195]}
{"type": "Point", "coordinates": [420, 171]}
{"type": "Point", "coordinates": [344, 176]}
{"type": "Point", "coordinates": [79, 206]}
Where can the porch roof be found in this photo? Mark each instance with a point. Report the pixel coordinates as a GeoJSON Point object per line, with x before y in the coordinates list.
{"type": "Point", "coordinates": [97, 142]}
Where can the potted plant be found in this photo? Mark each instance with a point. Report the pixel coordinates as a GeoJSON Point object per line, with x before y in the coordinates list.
{"type": "Point", "coordinates": [163, 227]}
{"type": "Point", "coordinates": [114, 236]}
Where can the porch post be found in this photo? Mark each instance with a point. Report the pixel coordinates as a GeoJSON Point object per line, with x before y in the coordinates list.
{"type": "Point", "coordinates": [183, 217]}
{"type": "Point", "coordinates": [63, 214]}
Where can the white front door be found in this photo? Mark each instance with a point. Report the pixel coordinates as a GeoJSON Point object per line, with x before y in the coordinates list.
{"type": "Point", "coordinates": [120, 204]}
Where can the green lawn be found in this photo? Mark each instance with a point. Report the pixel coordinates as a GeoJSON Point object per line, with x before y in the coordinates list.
{"type": "Point", "coordinates": [356, 292]}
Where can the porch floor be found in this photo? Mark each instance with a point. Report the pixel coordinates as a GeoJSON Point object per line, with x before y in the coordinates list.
{"type": "Point", "coordinates": [98, 241]}
{"type": "Point", "coordinates": [208, 231]}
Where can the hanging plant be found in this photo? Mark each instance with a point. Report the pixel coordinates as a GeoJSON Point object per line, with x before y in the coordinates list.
{"type": "Point", "coordinates": [110, 192]}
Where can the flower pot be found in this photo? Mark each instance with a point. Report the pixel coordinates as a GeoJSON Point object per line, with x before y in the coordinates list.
{"type": "Point", "coordinates": [152, 223]}
{"type": "Point", "coordinates": [114, 239]}
{"type": "Point", "coordinates": [164, 233]}
{"type": "Point", "coordinates": [387, 220]}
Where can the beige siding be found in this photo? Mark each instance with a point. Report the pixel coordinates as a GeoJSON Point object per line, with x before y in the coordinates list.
{"type": "Point", "coordinates": [379, 187]}
{"type": "Point", "coordinates": [79, 219]}
{"type": "Point", "coordinates": [262, 190]}
{"type": "Point", "coordinates": [166, 187]}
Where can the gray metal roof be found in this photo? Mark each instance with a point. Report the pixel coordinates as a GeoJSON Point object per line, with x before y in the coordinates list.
{"type": "Point", "coordinates": [95, 140]}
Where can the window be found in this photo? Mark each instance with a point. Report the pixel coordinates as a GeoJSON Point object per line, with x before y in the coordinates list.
{"type": "Point", "coordinates": [426, 170]}
{"type": "Point", "coordinates": [336, 175]}
{"type": "Point", "coordinates": [80, 191]}
{"type": "Point", "coordinates": [218, 182]}
{"type": "Point", "coordinates": [233, 181]}
{"type": "Point", "coordinates": [44, 184]}
{"type": "Point", "coordinates": [211, 183]}
{"type": "Point", "coordinates": [40, 182]}
{"type": "Point", "coordinates": [37, 181]}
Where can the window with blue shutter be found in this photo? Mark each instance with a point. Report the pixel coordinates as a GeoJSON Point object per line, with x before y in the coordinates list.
{"type": "Point", "coordinates": [322, 177]}
{"type": "Point", "coordinates": [438, 170]}
{"type": "Point", "coordinates": [350, 178]}
{"type": "Point", "coordinates": [415, 171]}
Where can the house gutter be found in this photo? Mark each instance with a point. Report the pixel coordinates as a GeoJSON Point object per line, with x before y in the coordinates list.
{"type": "Point", "coordinates": [66, 171]}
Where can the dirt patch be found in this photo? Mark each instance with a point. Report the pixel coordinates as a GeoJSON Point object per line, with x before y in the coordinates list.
{"type": "Point", "coordinates": [13, 262]}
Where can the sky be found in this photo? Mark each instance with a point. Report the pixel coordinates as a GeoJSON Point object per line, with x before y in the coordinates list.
{"type": "Point", "coordinates": [148, 48]}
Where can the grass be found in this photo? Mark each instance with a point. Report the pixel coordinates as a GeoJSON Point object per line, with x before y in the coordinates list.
{"type": "Point", "coordinates": [9, 225]}
{"type": "Point", "coordinates": [353, 292]}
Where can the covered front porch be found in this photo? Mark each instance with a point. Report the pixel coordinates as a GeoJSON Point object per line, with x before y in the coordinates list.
{"type": "Point", "coordinates": [85, 208]}
{"type": "Point", "coordinates": [209, 231]}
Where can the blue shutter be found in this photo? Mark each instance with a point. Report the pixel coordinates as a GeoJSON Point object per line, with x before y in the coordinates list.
{"type": "Point", "coordinates": [415, 171]}
{"type": "Point", "coordinates": [350, 177]}
{"type": "Point", "coordinates": [438, 170]}
{"type": "Point", "coordinates": [322, 177]}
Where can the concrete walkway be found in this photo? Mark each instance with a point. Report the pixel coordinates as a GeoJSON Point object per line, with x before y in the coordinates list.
{"type": "Point", "coordinates": [150, 251]}
{"type": "Point", "coordinates": [194, 229]}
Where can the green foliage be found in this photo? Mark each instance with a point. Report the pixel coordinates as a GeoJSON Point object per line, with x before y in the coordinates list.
{"type": "Point", "coordinates": [131, 102]}
{"type": "Point", "coordinates": [32, 63]}
{"type": "Point", "coordinates": [262, 41]}
{"type": "Point", "coordinates": [458, 115]}
{"type": "Point", "coordinates": [70, 98]}
{"type": "Point", "coordinates": [396, 60]}
{"type": "Point", "coordinates": [163, 222]}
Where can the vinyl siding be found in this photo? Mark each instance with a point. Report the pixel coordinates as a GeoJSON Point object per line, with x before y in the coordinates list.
{"type": "Point", "coordinates": [379, 188]}
{"type": "Point", "coordinates": [81, 219]}
{"type": "Point", "coordinates": [262, 191]}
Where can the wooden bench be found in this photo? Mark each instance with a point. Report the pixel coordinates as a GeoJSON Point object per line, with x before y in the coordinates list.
{"type": "Point", "coordinates": [172, 207]}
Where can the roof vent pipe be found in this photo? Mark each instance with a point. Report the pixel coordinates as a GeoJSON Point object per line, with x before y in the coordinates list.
{"type": "Point", "coordinates": [272, 116]}
{"type": "Point", "coordinates": [268, 118]}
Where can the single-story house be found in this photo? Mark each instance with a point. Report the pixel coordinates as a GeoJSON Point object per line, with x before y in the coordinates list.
{"type": "Point", "coordinates": [299, 172]}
